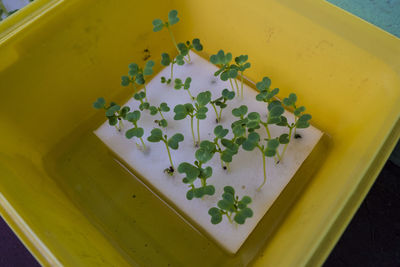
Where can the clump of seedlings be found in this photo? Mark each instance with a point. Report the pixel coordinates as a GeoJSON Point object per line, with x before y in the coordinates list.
{"type": "Point", "coordinates": [186, 85]}
{"type": "Point", "coordinates": [221, 103]}
{"type": "Point", "coordinates": [163, 107]}
{"type": "Point", "coordinates": [136, 131]}
{"type": "Point", "coordinates": [157, 135]}
{"type": "Point", "coordinates": [231, 206]}
{"type": "Point", "coordinates": [136, 75]}
{"type": "Point", "coordinates": [229, 71]}
{"type": "Point", "coordinates": [244, 130]}
{"type": "Point", "coordinates": [198, 111]}
{"type": "Point", "coordinates": [166, 61]}
{"type": "Point", "coordinates": [196, 171]}
{"type": "Point", "coordinates": [114, 113]}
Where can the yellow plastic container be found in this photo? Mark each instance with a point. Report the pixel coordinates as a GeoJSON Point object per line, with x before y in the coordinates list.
{"type": "Point", "coordinates": [72, 204]}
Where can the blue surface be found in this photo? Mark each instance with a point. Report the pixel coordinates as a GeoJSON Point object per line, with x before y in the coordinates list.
{"type": "Point", "coordinates": [382, 13]}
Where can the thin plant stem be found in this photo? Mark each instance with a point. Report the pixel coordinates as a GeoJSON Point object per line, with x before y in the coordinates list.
{"type": "Point", "coordinates": [162, 116]}
{"type": "Point", "coordinates": [176, 46]}
{"type": "Point", "coordinates": [143, 144]}
{"type": "Point", "coordinates": [198, 131]}
{"type": "Point", "coordinates": [191, 126]}
{"type": "Point", "coordinates": [169, 154]}
{"type": "Point", "coordinates": [172, 70]}
{"type": "Point", "coordinates": [229, 217]}
{"type": "Point", "coordinates": [265, 172]}
{"type": "Point", "coordinates": [228, 167]}
{"type": "Point", "coordinates": [237, 87]}
{"type": "Point", "coordinates": [295, 127]}
{"type": "Point", "coordinates": [230, 80]}
{"type": "Point", "coordinates": [267, 129]}
{"type": "Point", "coordinates": [241, 85]}
{"type": "Point", "coordinates": [189, 56]}
{"type": "Point", "coordinates": [220, 115]}
{"type": "Point", "coordinates": [222, 163]}
{"type": "Point", "coordinates": [145, 92]}
{"type": "Point", "coordinates": [216, 112]}
{"type": "Point", "coordinates": [190, 94]}
{"type": "Point", "coordinates": [286, 145]}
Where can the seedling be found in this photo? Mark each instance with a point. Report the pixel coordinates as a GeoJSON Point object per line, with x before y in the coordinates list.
{"type": "Point", "coordinates": [186, 85]}
{"type": "Point", "coordinates": [221, 103]}
{"type": "Point", "coordinates": [141, 97]}
{"type": "Point", "coordinates": [253, 141]}
{"type": "Point", "coordinates": [166, 61]}
{"type": "Point", "coordinates": [157, 135]}
{"type": "Point", "coordinates": [163, 107]}
{"type": "Point", "coordinates": [136, 131]}
{"type": "Point", "coordinates": [114, 113]}
{"type": "Point", "coordinates": [199, 110]}
{"type": "Point", "coordinates": [226, 70]}
{"type": "Point", "coordinates": [136, 75]}
{"type": "Point", "coordinates": [184, 48]}
{"type": "Point", "coordinates": [301, 120]}
{"type": "Point", "coordinates": [242, 65]}
{"type": "Point", "coordinates": [194, 172]}
{"type": "Point", "coordinates": [231, 206]}
{"type": "Point", "coordinates": [158, 25]}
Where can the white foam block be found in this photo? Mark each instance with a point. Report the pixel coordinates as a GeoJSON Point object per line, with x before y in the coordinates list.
{"type": "Point", "coordinates": [246, 169]}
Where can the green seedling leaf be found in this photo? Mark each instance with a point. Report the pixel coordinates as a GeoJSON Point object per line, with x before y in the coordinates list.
{"type": "Point", "coordinates": [251, 142]}
{"type": "Point", "coordinates": [144, 106]}
{"type": "Point", "coordinates": [203, 155]}
{"type": "Point", "coordinates": [272, 145]}
{"type": "Point", "coordinates": [174, 141]}
{"type": "Point", "coordinates": [113, 120]}
{"type": "Point", "coordinates": [111, 110]}
{"type": "Point", "coordinates": [220, 132]}
{"type": "Point", "coordinates": [180, 112]}
{"type": "Point", "coordinates": [203, 98]}
{"type": "Point", "coordinates": [283, 121]}
{"type": "Point", "coordinates": [284, 139]}
{"type": "Point", "coordinates": [240, 111]}
{"type": "Point", "coordinates": [290, 101]}
{"type": "Point", "coordinates": [239, 130]}
{"type": "Point", "coordinates": [140, 95]}
{"type": "Point", "coordinates": [303, 121]}
{"type": "Point", "coordinates": [180, 60]}
{"type": "Point", "coordinates": [229, 189]}
{"type": "Point", "coordinates": [264, 84]}
{"type": "Point", "coordinates": [165, 59]}
{"type": "Point", "coordinates": [133, 69]}
{"type": "Point", "coordinates": [241, 59]}
{"type": "Point", "coordinates": [133, 116]}
{"type": "Point", "coordinates": [187, 83]}
{"type": "Point", "coordinates": [125, 80]}
{"type": "Point", "coordinates": [191, 172]}
{"type": "Point", "coordinates": [99, 103]}
{"type": "Point", "coordinates": [297, 112]}
{"type": "Point", "coordinates": [163, 123]}
{"type": "Point", "coordinates": [178, 84]}
{"type": "Point", "coordinates": [153, 110]}
{"type": "Point", "coordinates": [173, 17]}
{"type": "Point", "coordinates": [134, 132]}
{"type": "Point", "coordinates": [230, 145]}
{"type": "Point", "coordinates": [183, 49]}
{"type": "Point", "coordinates": [205, 173]}
{"type": "Point", "coordinates": [148, 68]}
{"type": "Point", "coordinates": [157, 25]}
{"type": "Point", "coordinates": [229, 95]}
{"type": "Point", "coordinates": [139, 79]}
{"type": "Point", "coordinates": [156, 135]}
{"type": "Point", "coordinates": [197, 45]}
{"type": "Point", "coordinates": [164, 107]}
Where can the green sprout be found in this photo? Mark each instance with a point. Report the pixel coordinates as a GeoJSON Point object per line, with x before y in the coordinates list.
{"type": "Point", "coordinates": [158, 25]}
{"type": "Point", "coordinates": [226, 70]}
{"type": "Point", "coordinates": [136, 131]}
{"type": "Point", "coordinates": [231, 147]}
{"type": "Point", "coordinates": [114, 113]}
{"type": "Point", "coordinates": [141, 97]}
{"type": "Point", "coordinates": [269, 150]}
{"type": "Point", "coordinates": [184, 48]}
{"type": "Point", "coordinates": [242, 65]}
{"type": "Point", "coordinates": [156, 135]}
{"type": "Point", "coordinates": [186, 86]}
{"type": "Point", "coordinates": [199, 110]}
{"type": "Point", "coordinates": [221, 103]}
{"type": "Point", "coordinates": [163, 107]}
{"type": "Point", "coordinates": [231, 206]}
{"type": "Point", "coordinates": [137, 74]}
{"type": "Point", "coordinates": [166, 61]}
{"type": "Point", "coordinates": [301, 121]}
{"type": "Point", "coordinates": [192, 173]}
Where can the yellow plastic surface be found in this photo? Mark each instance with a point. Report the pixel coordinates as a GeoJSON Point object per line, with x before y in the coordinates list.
{"type": "Point", "coordinates": [72, 204]}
